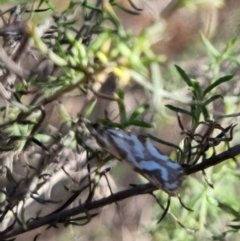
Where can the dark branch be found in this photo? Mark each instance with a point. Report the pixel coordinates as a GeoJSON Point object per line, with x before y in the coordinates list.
{"type": "Point", "coordinates": [134, 191]}
{"type": "Point", "coordinates": [212, 161]}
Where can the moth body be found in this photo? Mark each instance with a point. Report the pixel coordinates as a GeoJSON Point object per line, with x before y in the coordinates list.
{"type": "Point", "coordinates": [141, 155]}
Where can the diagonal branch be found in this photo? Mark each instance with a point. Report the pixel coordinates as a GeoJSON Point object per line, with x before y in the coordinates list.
{"type": "Point", "coordinates": [212, 161]}
{"type": "Point", "coordinates": [134, 191]}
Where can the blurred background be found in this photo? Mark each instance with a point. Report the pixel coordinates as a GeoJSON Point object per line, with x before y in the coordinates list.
{"type": "Point", "coordinates": [182, 43]}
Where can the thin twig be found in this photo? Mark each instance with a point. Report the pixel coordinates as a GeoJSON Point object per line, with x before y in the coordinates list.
{"type": "Point", "coordinates": [134, 191]}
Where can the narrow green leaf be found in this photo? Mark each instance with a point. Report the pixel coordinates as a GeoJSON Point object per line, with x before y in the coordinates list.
{"type": "Point", "coordinates": [234, 226]}
{"type": "Point", "coordinates": [230, 45]}
{"type": "Point", "coordinates": [184, 75]}
{"type": "Point", "coordinates": [22, 218]}
{"type": "Point", "coordinates": [10, 177]}
{"type": "Point", "coordinates": [63, 112]}
{"type": "Point", "coordinates": [107, 122]}
{"type": "Point", "coordinates": [120, 94]}
{"type": "Point", "coordinates": [197, 90]}
{"type": "Point", "coordinates": [90, 109]}
{"type": "Point", "coordinates": [223, 235]}
{"type": "Point", "coordinates": [45, 201]}
{"type": "Point", "coordinates": [138, 111]}
{"type": "Point", "coordinates": [139, 123]}
{"type": "Point", "coordinates": [210, 48]}
{"type": "Point", "coordinates": [164, 143]}
{"type": "Point", "coordinates": [123, 114]}
{"type": "Point", "coordinates": [216, 83]}
{"type": "Point", "coordinates": [124, 50]}
{"type": "Point", "coordinates": [97, 43]}
{"type": "Point", "coordinates": [31, 79]}
{"type": "Point", "coordinates": [193, 108]}
{"type": "Point", "coordinates": [227, 208]}
{"type": "Point", "coordinates": [205, 114]}
{"type": "Point", "coordinates": [126, 9]}
{"type": "Point", "coordinates": [211, 99]}
{"type": "Point", "coordinates": [141, 80]}
{"type": "Point", "coordinates": [180, 110]}
{"type": "Point", "coordinates": [42, 137]}
{"type": "Point", "coordinates": [91, 7]}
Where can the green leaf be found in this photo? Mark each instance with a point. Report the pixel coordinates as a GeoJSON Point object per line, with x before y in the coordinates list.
{"type": "Point", "coordinates": [126, 9]}
{"type": "Point", "coordinates": [230, 45]}
{"type": "Point", "coordinates": [124, 50]}
{"type": "Point", "coordinates": [45, 201]}
{"type": "Point", "coordinates": [139, 123]}
{"type": "Point", "coordinates": [63, 112]}
{"type": "Point", "coordinates": [228, 209]}
{"type": "Point", "coordinates": [42, 137]}
{"type": "Point", "coordinates": [107, 122]}
{"type": "Point", "coordinates": [205, 114]}
{"type": "Point", "coordinates": [197, 90]}
{"type": "Point", "coordinates": [95, 45]}
{"type": "Point", "coordinates": [31, 79]}
{"type": "Point", "coordinates": [234, 226]}
{"type": "Point", "coordinates": [91, 7]}
{"type": "Point", "coordinates": [138, 111]}
{"type": "Point", "coordinates": [120, 94]}
{"type": "Point", "coordinates": [141, 80]}
{"type": "Point", "coordinates": [216, 83]}
{"type": "Point", "coordinates": [211, 99]}
{"type": "Point", "coordinates": [90, 109]}
{"type": "Point", "coordinates": [210, 48]}
{"type": "Point", "coordinates": [223, 235]}
{"type": "Point", "coordinates": [164, 142]}
{"type": "Point", "coordinates": [123, 114]}
{"type": "Point", "coordinates": [22, 218]}
{"type": "Point", "coordinates": [10, 177]}
{"type": "Point", "coordinates": [180, 110]}
{"type": "Point", "coordinates": [194, 109]}
{"type": "Point", "coordinates": [184, 76]}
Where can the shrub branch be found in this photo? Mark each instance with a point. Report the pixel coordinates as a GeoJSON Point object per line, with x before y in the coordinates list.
{"type": "Point", "coordinates": [133, 191]}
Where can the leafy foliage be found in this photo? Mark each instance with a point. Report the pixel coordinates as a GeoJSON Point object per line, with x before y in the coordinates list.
{"type": "Point", "coordinates": [81, 61]}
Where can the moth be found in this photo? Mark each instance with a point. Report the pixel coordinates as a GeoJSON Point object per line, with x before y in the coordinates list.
{"type": "Point", "coordinates": [141, 155]}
